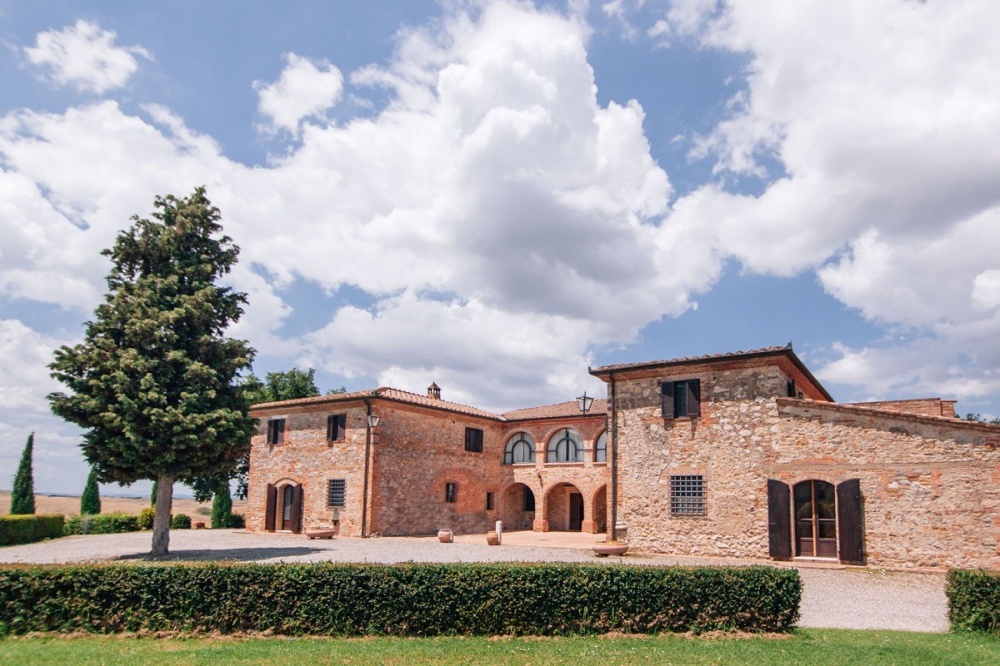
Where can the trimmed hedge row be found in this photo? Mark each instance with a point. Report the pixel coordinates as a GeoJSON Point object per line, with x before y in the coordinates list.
{"type": "Point", "coordinates": [102, 523]}
{"type": "Point", "coordinates": [401, 600]}
{"type": "Point", "coordinates": [974, 600]}
{"type": "Point", "coordinates": [29, 528]}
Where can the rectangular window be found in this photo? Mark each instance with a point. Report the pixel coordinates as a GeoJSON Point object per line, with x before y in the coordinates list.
{"type": "Point", "coordinates": [336, 493]}
{"type": "Point", "coordinates": [451, 492]}
{"type": "Point", "coordinates": [474, 440]}
{"type": "Point", "coordinates": [687, 495]}
{"type": "Point", "coordinates": [681, 398]}
{"type": "Point", "coordinates": [336, 427]}
{"type": "Point", "coordinates": [276, 431]}
{"type": "Point", "coordinates": [790, 388]}
{"type": "Point", "coordinates": [489, 501]}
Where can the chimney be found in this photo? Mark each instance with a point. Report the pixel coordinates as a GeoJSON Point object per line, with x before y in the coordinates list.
{"type": "Point", "coordinates": [434, 391]}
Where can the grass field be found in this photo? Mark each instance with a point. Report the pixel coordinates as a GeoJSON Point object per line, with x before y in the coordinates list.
{"type": "Point", "coordinates": [69, 506]}
{"type": "Point", "coordinates": [803, 647]}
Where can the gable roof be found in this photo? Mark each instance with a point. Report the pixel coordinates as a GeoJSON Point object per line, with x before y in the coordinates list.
{"type": "Point", "coordinates": [562, 409]}
{"type": "Point", "coordinates": [385, 393]}
{"type": "Point", "coordinates": [605, 371]}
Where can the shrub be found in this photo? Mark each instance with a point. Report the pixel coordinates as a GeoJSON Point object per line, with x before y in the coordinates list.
{"type": "Point", "coordinates": [237, 520]}
{"type": "Point", "coordinates": [146, 517]}
{"type": "Point", "coordinates": [105, 523]}
{"type": "Point", "coordinates": [974, 600]}
{"type": "Point", "coordinates": [30, 528]}
{"type": "Point", "coordinates": [180, 522]}
{"type": "Point", "coordinates": [401, 600]}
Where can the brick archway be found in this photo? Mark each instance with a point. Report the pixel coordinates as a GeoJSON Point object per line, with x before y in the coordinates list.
{"type": "Point", "coordinates": [564, 508]}
{"type": "Point", "coordinates": [518, 507]}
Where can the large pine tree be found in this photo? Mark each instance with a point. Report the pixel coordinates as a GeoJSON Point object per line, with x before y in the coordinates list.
{"type": "Point", "coordinates": [22, 497]}
{"type": "Point", "coordinates": [154, 381]}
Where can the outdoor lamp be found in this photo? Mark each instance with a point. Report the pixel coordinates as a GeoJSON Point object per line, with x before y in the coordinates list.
{"type": "Point", "coordinates": [373, 421]}
{"type": "Point", "coordinates": [584, 402]}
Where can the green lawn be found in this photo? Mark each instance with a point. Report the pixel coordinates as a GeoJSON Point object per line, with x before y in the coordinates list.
{"type": "Point", "coordinates": [806, 646]}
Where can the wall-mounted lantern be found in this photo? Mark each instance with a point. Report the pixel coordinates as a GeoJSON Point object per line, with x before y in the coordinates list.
{"type": "Point", "coordinates": [584, 402]}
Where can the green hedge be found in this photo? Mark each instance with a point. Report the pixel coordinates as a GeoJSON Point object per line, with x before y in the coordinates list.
{"type": "Point", "coordinates": [401, 600]}
{"type": "Point", "coordinates": [974, 600]}
{"type": "Point", "coordinates": [103, 523]}
{"type": "Point", "coordinates": [28, 529]}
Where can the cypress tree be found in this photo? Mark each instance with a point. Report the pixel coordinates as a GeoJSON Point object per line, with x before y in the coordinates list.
{"type": "Point", "coordinates": [90, 500]}
{"type": "Point", "coordinates": [22, 498]}
{"type": "Point", "coordinates": [152, 494]}
{"type": "Point", "coordinates": [155, 381]}
{"type": "Point", "coordinates": [222, 506]}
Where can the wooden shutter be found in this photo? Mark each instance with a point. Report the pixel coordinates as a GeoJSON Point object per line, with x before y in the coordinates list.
{"type": "Point", "coordinates": [296, 509]}
{"type": "Point", "coordinates": [693, 397]}
{"type": "Point", "coordinates": [270, 507]}
{"type": "Point", "coordinates": [850, 521]}
{"type": "Point", "coordinates": [667, 391]}
{"type": "Point", "coordinates": [779, 523]}
{"type": "Point", "coordinates": [281, 431]}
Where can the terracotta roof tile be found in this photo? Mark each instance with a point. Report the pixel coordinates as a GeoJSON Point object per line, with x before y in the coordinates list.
{"type": "Point", "coordinates": [434, 403]}
{"type": "Point", "coordinates": [332, 397]}
{"type": "Point", "coordinates": [690, 359]}
{"type": "Point", "coordinates": [562, 409]}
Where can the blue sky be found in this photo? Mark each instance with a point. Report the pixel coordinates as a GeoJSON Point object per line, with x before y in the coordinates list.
{"type": "Point", "coordinates": [495, 195]}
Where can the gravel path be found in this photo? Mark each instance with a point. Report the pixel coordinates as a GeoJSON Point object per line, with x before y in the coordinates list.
{"type": "Point", "coordinates": [832, 597]}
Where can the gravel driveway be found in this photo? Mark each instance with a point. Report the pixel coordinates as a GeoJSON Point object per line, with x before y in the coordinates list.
{"type": "Point", "coordinates": [849, 598]}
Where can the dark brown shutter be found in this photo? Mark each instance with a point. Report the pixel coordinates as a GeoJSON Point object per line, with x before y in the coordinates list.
{"type": "Point", "coordinates": [296, 509]}
{"type": "Point", "coordinates": [281, 431]}
{"type": "Point", "coordinates": [667, 391]}
{"type": "Point", "coordinates": [779, 524]}
{"type": "Point", "coordinates": [850, 521]}
{"type": "Point", "coordinates": [341, 427]}
{"type": "Point", "coordinates": [693, 397]}
{"type": "Point", "coordinates": [331, 431]}
{"type": "Point", "coordinates": [270, 507]}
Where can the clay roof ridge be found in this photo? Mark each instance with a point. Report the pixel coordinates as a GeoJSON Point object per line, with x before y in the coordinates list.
{"type": "Point", "coordinates": [689, 359]}
{"type": "Point", "coordinates": [426, 401]}
{"type": "Point", "coordinates": [855, 407]}
{"type": "Point", "coordinates": [329, 397]}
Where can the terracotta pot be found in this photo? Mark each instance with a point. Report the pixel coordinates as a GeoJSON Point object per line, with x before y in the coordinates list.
{"type": "Point", "coordinates": [492, 538]}
{"type": "Point", "coordinates": [445, 536]}
{"type": "Point", "coordinates": [605, 549]}
{"type": "Point", "coordinates": [320, 534]}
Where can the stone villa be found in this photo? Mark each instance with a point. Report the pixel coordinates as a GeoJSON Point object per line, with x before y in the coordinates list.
{"type": "Point", "coordinates": [733, 455]}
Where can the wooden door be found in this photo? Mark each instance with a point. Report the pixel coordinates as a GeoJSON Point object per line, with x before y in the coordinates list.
{"type": "Point", "coordinates": [575, 512]}
{"type": "Point", "coordinates": [850, 521]}
{"type": "Point", "coordinates": [270, 508]}
{"type": "Point", "coordinates": [779, 524]}
{"type": "Point", "coordinates": [815, 519]}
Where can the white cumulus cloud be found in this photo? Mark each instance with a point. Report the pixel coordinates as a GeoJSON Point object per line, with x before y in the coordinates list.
{"type": "Point", "coordinates": [85, 56]}
{"type": "Point", "coordinates": [305, 89]}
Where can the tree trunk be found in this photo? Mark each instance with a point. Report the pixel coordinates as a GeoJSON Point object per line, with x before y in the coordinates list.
{"type": "Point", "coordinates": [161, 522]}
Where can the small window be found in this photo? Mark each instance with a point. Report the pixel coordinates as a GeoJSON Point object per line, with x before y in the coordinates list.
{"type": "Point", "coordinates": [682, 398]}
{"type": "Point", "coordinates": [276, 431]}
{"type": "Point", "coordinates": [601, 448]}
{"type": "Point", "coordinates": [687, 495]}
{"type": "Point", "coordinates": [451, 492]}
{"type": "Point", "coordinates": [336, 493]}
{"type": "Point", "coordinates": [565, 446]}
{"type": "Point", "coordinates": [528, 501]}
{"type": "Point", "coordinates": [790, 391]}
{"type": "Point", "coordinates": [489, 501]}
{"type": "Point", "coordinates": [474, 440]}
{"type": "Point", "coordinates": [336, 427]}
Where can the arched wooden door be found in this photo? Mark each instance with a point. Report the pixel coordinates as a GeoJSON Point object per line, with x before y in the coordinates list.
{"type": "Point", "coordinates": [815, 519]}
{"type": "Point", "coordinates": [283, 510]}
{"type": "Point", "coordinates": [827, 522]}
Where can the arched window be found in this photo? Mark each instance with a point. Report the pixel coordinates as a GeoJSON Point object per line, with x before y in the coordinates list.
{"type": "Point", "coordinates": [601, 448]}
{"type": "Point", "coordinates": [520, 449]}
{"type": "Point", "coordinates": [565, 446]}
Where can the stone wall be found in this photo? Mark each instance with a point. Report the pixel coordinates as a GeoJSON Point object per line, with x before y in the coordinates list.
{"type": "Point", "coordinates": [306, 458]}
{"type": "Point", "coordinates": [929, 484]}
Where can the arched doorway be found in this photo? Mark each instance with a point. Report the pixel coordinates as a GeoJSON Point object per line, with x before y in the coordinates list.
{"type": "Point", "coordinates": [815, 519]}
{"type": "Point", "coordinates": [283, 511]}
{"type": "Point", "coordinates": [600, 511]}
{"type": "Point", "coordinates": [517, 508]}
{"type": "Point", "coordinates": [564, 510]}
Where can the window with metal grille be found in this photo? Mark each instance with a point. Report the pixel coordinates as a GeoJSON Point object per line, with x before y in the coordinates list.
{"type": "Point", "coordinates": [601, 448]}
{"type": "Point", "coordinates": [451, 492]}
{"type": "Point", "coordinates": [336, 492]}
{"type": "Point", "coordinates": [687, 495]}
{"type": "Point", "coordinates": [276, 431]}
{"type": "Point", "coordinates": [336, 427]}
{"type": "Point", "coordinates": [520, 449]}
{"type": "Point", "coordinates": [474, 440]}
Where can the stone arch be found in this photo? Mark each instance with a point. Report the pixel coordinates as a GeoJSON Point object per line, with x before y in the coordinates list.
{"type": "Point", "coordinates": [283, 510]}
{"type": "Point", "coordinates": [564, 507]}
{"type": "Point", "coordinates": [518, 507]}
